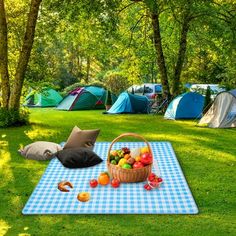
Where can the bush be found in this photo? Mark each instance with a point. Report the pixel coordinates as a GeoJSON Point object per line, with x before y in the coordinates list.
{"type": "Point", "coordinates": [12, 117]}
{"type": "Point", "coordinates": [207, 101]}
{"type": "Point", "coordinates": [79, 85]}
{"type": "Point", "coordinates": [116, 82]}
{"type": "Point", "coordinates": [108, 100]}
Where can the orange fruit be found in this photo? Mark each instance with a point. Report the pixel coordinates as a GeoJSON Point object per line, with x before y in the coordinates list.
{"type": "Point", "coordinates": [144, 150]}
{"type": "Point", "coordinates": [137, 158]}
{"type": "Point", "coordinates": [127, 156]}
{"type": "Point", "coordinates": [103, 178]}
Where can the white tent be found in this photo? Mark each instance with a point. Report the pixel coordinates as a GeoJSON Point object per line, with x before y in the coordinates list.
{"type": "Point", "coordinates": [222, 113]}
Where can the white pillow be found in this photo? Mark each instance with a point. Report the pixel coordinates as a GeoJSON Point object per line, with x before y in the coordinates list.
{"type": "Point", "coordinates": [40, 150]}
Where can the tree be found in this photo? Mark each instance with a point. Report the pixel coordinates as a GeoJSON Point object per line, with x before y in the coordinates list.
{"type": "Point", "coordinates": [207, 100]}
{"type": "Point", "coordinates": [11, 94]}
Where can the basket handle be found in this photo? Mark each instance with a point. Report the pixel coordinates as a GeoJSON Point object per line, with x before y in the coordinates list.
{"type": "Point", "coordinates": [128, 134]}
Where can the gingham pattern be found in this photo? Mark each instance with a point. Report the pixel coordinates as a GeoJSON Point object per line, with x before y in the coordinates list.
{"type": "Point", "coordinates": [173, 197]}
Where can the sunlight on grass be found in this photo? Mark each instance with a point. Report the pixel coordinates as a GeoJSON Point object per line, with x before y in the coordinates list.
{"type": "Point", "coordinates": [5, 166]}
{"type": "Point", "coordinates": [40, 132]}
{"type": "Point", "coordinates": [4, 227]}
{"type": "Point", "coordinates": [166, 137]}
{"type": "Point", "coordinates": [207, 157]}
{"type": "Point", "coordinates": [220, 156]}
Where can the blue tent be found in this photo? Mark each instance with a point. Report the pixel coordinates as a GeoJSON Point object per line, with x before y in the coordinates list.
{"type": "Point", "coordinates": [185, 106]}
{"type": "Point", "coordinates": [130, 103]}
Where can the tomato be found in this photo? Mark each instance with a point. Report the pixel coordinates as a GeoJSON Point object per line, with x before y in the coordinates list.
{"type": "Point", "coordinates": [151, 177]}
{"type": "Point", "coordinates": [93, 183]}
{"type": "Point", "coordinates": [146, 158]}
{"type": "Point", "coordinates": [137, 165]}
{"type": "Point", "coordinates": [147, 187]}
{"type": "Point", "coordinates": [103, 178]}
{"type": "Point", "coordinates": [159, 180]}
{"type": "Point", "coordinates": [115, 183]}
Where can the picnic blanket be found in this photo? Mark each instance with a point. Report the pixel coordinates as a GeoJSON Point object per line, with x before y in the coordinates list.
{"type": "Point", "coordinates": [173, 197]}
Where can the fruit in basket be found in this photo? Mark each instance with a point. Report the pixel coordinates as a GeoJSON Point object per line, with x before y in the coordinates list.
{"type": "Point", "coordinates": [122, 161]}
{"type": "Point", "coordinates": [130, 161]}
{"type": "Point", "coordinates": [115, 183]}
{"type": "Point", "coordinates": [134, 152]}
{"type": "Point", "coordinates": [126, 150]}
{"type": "Point", "coordinates": [104, 178]}
{"type": "Point", "coordinates": [138, 165]}
{"type": "Point", "coordinates": [93, 183]}
{"type": "Point", "coordinates": [113, 153]}
{"type": "Point", "coordinates": [127, 166]}
{"type": "Point", "coordinates": [127, 156]}
{"type": "Point", "coordinates": [120, 153]}
{"type": "Point", "coordinates": [146, 158]}
{"type": "Point", "coordinates": [137, 158]}
{"type": "Point", "coordinates": [117, 158]}
{"type": "Point", "coordinates": [144, 150]}
{"type": "Point", "coordinates": [113, 162]}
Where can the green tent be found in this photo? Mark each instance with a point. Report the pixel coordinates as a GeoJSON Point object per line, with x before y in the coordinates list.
{"type": "Point", "coordinates": [85, 98]}
{"type": "Point", "coordinates": [46, 98]}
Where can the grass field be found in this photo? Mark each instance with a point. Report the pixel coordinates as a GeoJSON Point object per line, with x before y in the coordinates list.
{"type": "Point", "coordinates": [207, 157]}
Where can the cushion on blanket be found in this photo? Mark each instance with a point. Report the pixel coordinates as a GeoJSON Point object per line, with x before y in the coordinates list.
{"type": "Point", "coordinates": [40, 150]}
{"type": "Point", "coordinates": [81, 138]}
{"type": "Point", "coordinates": [78, 157]}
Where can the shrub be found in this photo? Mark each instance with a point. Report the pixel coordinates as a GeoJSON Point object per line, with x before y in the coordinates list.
{"type": "Point", "coordinates": [116, 82]}
{"type": "Point", "coordinates": [79, 85]}
{"type": "Point", "coordinates": [12, 117]}
{"type": "Point", "coordinates": [207, 101]}
{"type": "Point", "coordinates": [108, 100]}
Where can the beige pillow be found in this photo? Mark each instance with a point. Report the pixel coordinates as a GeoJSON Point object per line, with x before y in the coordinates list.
{"type": "Point", "coordinates": [81, 138]}
{"type": "Point", "coordinates": [40, 150]}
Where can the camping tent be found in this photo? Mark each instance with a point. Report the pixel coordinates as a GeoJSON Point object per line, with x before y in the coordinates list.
{"type": "Point", "coordinates": [85, 98]}
{"type": "Point", "coordinates": [185, 106]}
{"type": "Point", "coordinates": [222, 113]}
{"type": "Point", "coordinates": [130, 103]}
{"type": "Point", "coordinates": [46, 98]}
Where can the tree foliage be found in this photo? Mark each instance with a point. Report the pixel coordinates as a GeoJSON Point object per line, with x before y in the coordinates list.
{"type": "Point", "coordinates": [172, 42]}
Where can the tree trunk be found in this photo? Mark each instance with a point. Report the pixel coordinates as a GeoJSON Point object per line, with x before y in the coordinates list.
{"type": "Point", "coordinates": [24, 55]}
{"type": "Point", "coordinates": [87, 70]}
{"type": "Point", "coordinates": [4, 76]}
{"type": "Point", "coordinates": [181, 55]}
{"type": "Point", "coordinates": [160, 55]}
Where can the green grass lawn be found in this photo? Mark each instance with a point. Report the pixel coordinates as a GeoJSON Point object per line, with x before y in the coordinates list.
{"type": "Point", "coordinates": [207, 157]}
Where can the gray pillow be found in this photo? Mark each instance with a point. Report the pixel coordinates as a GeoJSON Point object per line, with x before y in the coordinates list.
{"type": "Point", "coordinates": [40, 150]}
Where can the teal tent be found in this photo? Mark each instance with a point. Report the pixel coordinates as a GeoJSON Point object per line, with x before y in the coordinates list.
{"type": "Point", "coordinates": [185, 106]}
{"type": "Point", "coordinates": [129, 103]}
{"type": "Point", "coordinates": [85, 98]}
{"type": "Point", "coordinates": [46, 98]}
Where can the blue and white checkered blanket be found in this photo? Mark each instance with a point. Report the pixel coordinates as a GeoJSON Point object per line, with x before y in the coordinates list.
{"type": "Point", "coordinates": [173, 197]}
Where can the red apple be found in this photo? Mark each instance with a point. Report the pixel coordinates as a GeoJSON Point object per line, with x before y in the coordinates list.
{"type": "Point", "coordinates": [138, 165]}
{"type": "Point", "coordinates": [146, 158]}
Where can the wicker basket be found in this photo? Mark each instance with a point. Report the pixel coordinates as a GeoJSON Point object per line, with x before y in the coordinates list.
{"type": "Point", "coordinates": [128, 175]}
